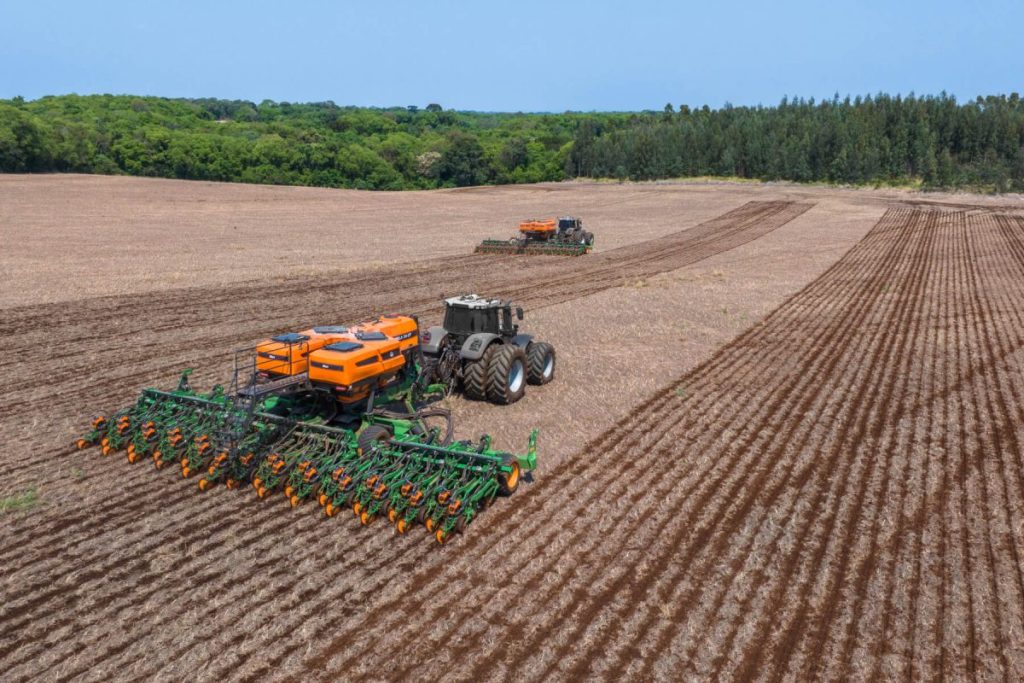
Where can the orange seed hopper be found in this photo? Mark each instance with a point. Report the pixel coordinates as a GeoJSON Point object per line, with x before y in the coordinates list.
{"type": "Point", "coordinates": [353, 367]}
{"type": "Point", "coordinates": [402, 328]}
{"type": "Point", "coordinates": [545, 227]}
{"type": "Point", "coordinates": [287, 354]}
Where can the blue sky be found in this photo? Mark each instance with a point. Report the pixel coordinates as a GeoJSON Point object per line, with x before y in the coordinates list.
{"type": "Point", "coordinates": [511, 56]}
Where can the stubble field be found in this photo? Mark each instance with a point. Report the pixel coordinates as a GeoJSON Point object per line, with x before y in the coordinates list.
{"type": "Point", "coordinates": [785, 440]}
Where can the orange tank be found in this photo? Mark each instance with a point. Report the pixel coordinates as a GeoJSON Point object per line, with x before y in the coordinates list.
{"type": "Point", "coordinates": [546, 226]}
{"type": "Point", "coordinates": [287, 354]}
{"type": "Point", "coordinates": [352, 367]}
{"type": "Point", "coordinates": [401, 328]}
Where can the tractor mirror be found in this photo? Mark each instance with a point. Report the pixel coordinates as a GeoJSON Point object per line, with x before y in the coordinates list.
{"type": "Point", "coordinates": [519, 312]}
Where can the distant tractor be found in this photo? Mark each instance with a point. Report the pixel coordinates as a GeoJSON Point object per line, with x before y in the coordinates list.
{"type": "Point", "coordinates": [565, 237]}
{"type": "Point", "coordinates": [481, 349]}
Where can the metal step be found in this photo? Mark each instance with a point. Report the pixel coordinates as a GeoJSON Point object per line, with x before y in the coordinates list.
{"type": "Point", "coordinates": [292, 383]}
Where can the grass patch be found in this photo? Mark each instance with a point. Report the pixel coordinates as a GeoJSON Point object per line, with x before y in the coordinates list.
{"type": "Point", "coordinates": [26, 500]}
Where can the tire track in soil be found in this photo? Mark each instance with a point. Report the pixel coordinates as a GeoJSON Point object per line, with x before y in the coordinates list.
{"type": "Point", "coordinates": [552, 525]}
{"type": "Point", "coordinates": [755, 213]}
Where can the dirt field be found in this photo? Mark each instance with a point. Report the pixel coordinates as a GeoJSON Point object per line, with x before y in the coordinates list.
{"type": "Point", "coordinates": [836, 492]}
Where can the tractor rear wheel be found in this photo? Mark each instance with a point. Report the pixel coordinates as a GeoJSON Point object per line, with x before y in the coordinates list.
{"type": "Point", "coordinates": [540, 360]}
{"type": "Point", "coordinates": [506, 376]}
{"type": "Point", "coordinates": [474, 375]}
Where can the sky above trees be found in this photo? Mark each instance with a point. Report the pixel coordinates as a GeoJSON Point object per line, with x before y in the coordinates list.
{"type": "Point", "coordinates": [525, 56]}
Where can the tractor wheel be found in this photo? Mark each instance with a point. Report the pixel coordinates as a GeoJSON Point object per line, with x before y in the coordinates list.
{"type": "Point", "coordinates": [506, 377]}
{"type": "Point", "coordinates": [508, 482]}
{"type": "Point", "coordinates": [475, 373]}
{"type": "Point", "coordinates": [371, 436]}
{"type": "Point", "coordinates": [540, 361]}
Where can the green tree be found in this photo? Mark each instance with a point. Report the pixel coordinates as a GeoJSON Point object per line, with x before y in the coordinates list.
{"type": "Point", "coordinates": [462, 162]}
{"type": "Point", "coordinates": [24, 144]}
{"type": "Point", "coordinates": [514, 154]}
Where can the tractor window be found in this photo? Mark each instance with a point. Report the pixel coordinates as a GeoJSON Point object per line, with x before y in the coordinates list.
{"type": "Point", "coordinates": [469, 320]}
{"type": "Point", "coordinates": [566, 223]}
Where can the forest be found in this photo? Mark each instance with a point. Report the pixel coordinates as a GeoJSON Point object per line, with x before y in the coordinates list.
{"type": "Point", "coordinates": [931, 142]}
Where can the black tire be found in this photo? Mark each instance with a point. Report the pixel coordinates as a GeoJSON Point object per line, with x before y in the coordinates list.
{"type": "Point", "coordinates": [506, 376]}
{"type": "Point", "coordinates": [371, 436]}
{"type": "Point", "coordinates": [474, 375]}
{"type": "Point", "coordinates": [540, 363]}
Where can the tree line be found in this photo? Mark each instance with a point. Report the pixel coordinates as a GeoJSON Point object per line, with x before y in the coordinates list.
{"type": "Point", "coordinates": [931, 141]}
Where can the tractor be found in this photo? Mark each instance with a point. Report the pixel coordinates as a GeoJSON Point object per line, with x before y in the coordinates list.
{"type": "Point", "coordinates": [564, 236]}
{"type": "Point", "coordinates": [481, 349]}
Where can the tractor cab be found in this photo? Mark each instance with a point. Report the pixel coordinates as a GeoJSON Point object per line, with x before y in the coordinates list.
{"type": "Point", "coordinates": [467, 315]}
{"type": "Point", "coordinates": [569, 224]}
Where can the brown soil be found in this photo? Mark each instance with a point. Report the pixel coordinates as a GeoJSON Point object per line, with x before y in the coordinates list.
{"type": "Point", "coordinates": [129, 235]}
{"type": "Point", "coordinates": [836, 492]}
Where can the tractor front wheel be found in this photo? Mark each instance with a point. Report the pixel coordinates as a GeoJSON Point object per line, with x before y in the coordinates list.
{"type": "Point", "coordinates": [540, 360]}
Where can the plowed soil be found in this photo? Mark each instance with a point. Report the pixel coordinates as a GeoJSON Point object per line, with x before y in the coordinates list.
{"type": "Point", "coordinates": [836, 492]}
